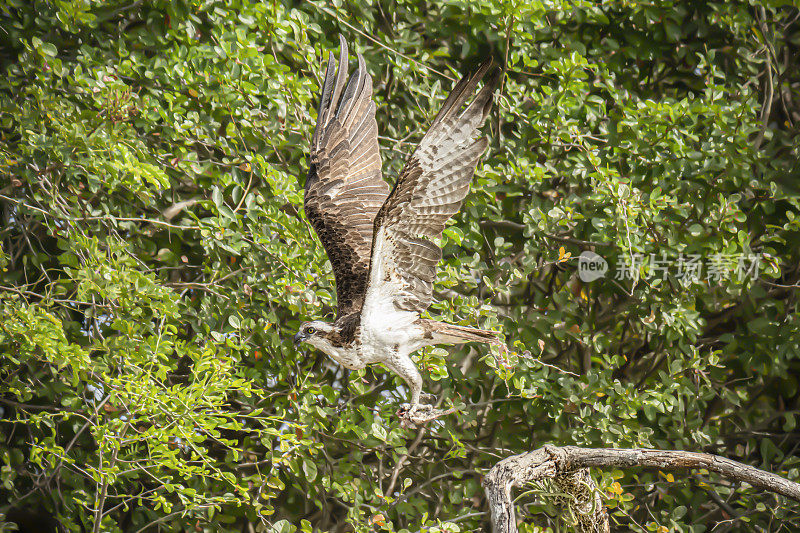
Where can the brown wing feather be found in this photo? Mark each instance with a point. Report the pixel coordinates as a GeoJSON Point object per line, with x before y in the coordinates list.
{"type": "Point", "coordinates": [344, 189]}
{"type": "Point", "coordinates": [430, 190]}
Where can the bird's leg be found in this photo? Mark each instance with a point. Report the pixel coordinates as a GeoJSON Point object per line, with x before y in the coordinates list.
{"type": "Point", "coordinates": [415, 413]}
{"type": "Point", "coordinates": [403, 366]}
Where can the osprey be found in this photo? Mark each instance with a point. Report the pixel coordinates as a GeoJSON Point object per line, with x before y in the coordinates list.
{"type": "Point", "coordinates": [381, 244]}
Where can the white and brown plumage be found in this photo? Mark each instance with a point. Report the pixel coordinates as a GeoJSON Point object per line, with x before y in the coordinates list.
{"type": "Point", "coordinates": [381, 244]}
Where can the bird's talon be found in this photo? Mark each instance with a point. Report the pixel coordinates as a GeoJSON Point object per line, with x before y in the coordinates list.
{"type": "Point", "coordinates": [427, 398]}
{"type": "Point", "coordinates": [420, 414]}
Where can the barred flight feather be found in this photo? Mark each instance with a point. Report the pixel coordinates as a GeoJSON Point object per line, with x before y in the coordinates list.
{"type": "Point", "coordinates": [344, 189]}
{"type": "Point", "coordinates": [430, 190]}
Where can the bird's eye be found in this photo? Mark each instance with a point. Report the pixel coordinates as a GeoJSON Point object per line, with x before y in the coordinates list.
{"type": "Point", "coordinates": [311, 330]}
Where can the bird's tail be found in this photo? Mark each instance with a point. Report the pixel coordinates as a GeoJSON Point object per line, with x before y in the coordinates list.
{"type": "Point", "coordinates": [442, 332]}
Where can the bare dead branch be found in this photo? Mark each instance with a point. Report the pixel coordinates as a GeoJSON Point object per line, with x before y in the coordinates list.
{"type": "Point", "coordinates": [567, 467]}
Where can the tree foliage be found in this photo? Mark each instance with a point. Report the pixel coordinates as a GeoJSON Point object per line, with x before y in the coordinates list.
{"type": "Point", "coordinates": [155, 261]}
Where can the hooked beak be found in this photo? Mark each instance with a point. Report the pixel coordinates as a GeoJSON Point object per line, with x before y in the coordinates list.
{"type": "Point", "coordinates": [298, 338]}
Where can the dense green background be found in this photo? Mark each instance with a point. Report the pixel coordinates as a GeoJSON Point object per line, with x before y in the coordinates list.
{"type": "Point", "coordinates": [148, 381]}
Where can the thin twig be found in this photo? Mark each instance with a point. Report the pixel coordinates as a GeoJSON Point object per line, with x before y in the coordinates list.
{"type": "Point", "coordinates": [382, 45]}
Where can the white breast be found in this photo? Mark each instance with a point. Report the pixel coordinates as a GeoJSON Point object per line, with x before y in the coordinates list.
{"type": "Point", "coordinates": [347, 357]}
{"type": "Point", "coordinates": [385, 331]}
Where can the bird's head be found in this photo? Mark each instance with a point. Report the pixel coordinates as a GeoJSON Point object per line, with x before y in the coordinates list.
{"type": "Point", "coordinates": [314, 333]}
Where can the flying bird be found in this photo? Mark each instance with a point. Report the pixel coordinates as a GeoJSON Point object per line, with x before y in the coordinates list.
{"type": "Point", "coordinates": [381, 243]}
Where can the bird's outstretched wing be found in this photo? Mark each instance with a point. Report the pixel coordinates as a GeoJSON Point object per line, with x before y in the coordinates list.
{"type": "Point", "coordinates": [344, 189]}
{"type": "Point", "coordinates": [429, 191]}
